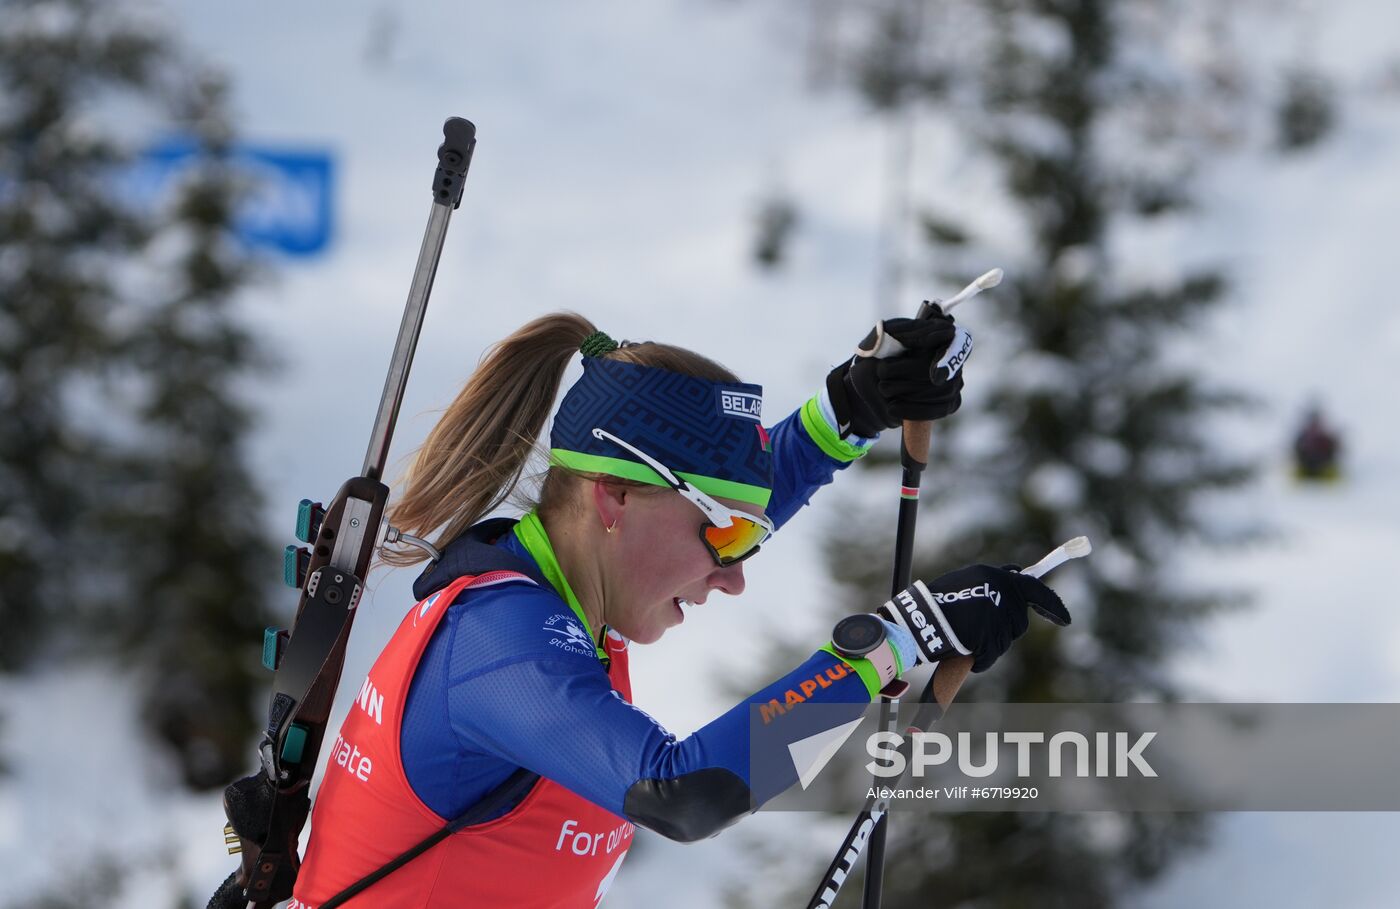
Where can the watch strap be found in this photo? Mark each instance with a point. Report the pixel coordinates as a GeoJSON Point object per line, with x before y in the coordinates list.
{"type": "Point", "coordinates": [885, 661]}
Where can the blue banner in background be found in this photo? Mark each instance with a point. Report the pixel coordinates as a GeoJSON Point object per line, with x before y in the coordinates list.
{"type": "Point", "coordinates": [289, 202]}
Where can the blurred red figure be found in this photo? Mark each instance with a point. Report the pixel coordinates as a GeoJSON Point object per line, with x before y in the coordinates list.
{"type": "Point", "coordinates": [1316, 448]}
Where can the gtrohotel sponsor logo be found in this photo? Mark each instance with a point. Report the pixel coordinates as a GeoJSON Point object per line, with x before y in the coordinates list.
{"type": "Point", "coordinates": [566, 633]}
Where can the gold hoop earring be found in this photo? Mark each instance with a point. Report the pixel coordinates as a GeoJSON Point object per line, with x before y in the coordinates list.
{"type": "Point", "coordinates": [610, 528]}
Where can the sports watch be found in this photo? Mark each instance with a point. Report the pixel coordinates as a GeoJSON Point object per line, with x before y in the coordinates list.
{"type": "Point", "coordinates": [864, 636]}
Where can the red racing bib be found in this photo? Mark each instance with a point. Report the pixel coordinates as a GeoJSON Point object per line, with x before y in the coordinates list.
{"type": "Point", "coordinates": [555, 849]}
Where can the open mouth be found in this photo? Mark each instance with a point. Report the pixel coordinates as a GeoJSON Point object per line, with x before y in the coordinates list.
{"type": "Point", "coordinates": [676, 602]}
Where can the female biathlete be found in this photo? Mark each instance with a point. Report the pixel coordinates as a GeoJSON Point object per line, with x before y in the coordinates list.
{"type": "Point", "coordinates": [492, 757]}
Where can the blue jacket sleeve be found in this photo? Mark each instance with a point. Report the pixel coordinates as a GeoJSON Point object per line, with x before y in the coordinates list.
{"type": "Point", "coordinates": [556, 713]}
{"type": "Point", "coordinates": [807, 452]}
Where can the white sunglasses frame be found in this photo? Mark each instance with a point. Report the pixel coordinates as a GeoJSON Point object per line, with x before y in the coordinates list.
{"type": "Point", "coordinates": [716, 513]}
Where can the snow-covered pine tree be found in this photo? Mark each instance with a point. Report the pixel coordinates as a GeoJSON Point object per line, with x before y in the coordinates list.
{"type": "Point", "coordinates": [129, 522]}
{"type": "Point", "coordinates": [1081, 124]}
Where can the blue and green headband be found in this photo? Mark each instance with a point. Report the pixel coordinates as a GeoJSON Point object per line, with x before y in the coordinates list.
{"type": "Point", "coordinates": [710, 433]}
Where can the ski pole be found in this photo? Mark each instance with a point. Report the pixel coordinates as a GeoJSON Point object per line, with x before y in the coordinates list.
{"type": "Point", "coordinates": [913, 458]}
{"type": "Point", "coordinates": [948, 676]}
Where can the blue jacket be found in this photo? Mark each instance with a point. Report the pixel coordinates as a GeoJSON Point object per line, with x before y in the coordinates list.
{"type": "Point", "coordinates": [497, 689]}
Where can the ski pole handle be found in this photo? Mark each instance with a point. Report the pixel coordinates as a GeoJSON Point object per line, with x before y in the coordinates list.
{"type": "Point", "coordinates": [889, 347]}
{"type": "Point", "coordinates": [1076, 548]}
{"type": "Point", "coordinates": [948, 677]}
{"type": "Point", "coordinates": [988, 280]}
{"type": "Point", "coordinates": [918, 434]}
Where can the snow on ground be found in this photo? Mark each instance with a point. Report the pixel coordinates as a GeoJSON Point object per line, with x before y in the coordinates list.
{"type": "Point", "coordinates": [623, 149]}
{"type": "Point", "coordinates": [84, 787]}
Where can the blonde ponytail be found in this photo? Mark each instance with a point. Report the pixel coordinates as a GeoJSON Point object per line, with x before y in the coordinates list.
{"type": "Point", "coordinates": [474, 456]}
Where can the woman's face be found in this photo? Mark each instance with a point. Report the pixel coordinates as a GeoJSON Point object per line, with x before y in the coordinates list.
{"type": "Point", "coordinates": [661, 561]}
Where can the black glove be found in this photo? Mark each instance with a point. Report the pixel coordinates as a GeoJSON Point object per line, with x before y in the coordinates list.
{"type": "Point", "coordinates": [975, 611]}
{"type": "Point", "coordinates": [248, 806]}
{"type": "Point", "coordinates": [917, 378]}
{"type": "Point", "coordinates": [229, 895]}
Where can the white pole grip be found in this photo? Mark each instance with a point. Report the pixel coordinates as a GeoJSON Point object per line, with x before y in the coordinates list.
{"type": "Point", "coordinates": [1076, 548]}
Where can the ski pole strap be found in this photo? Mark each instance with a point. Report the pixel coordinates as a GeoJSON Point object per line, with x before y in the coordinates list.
{"type": "Point", "coordinates": [514, 787]}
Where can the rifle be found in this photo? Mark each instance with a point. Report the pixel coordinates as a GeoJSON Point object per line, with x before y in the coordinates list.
{"type": "Point", "coordinates": [267, 810]}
